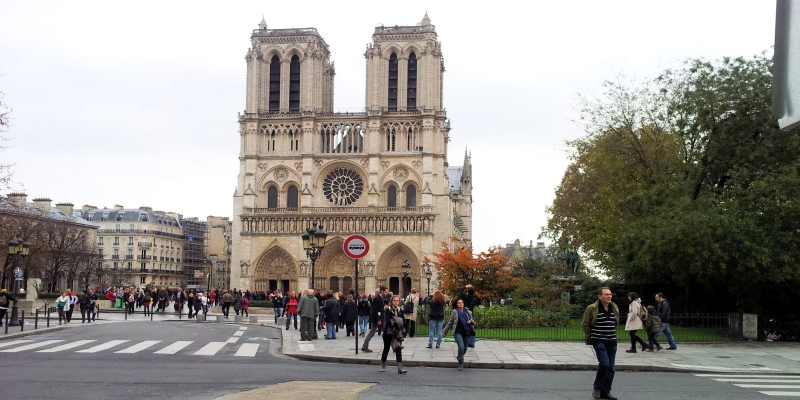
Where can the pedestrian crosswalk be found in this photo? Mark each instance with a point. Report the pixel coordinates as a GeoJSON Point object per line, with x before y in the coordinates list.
{"type": "Point", "coordinates": [124, 346]}
{"type": "Point", "coordinates": [786, 385]}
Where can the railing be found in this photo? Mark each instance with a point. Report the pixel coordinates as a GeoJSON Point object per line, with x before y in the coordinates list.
{"type": "Point", "coordinates": [141, 232]}
{"type": "Point", "coordinates": [145, 257]}
{"type": "Point", "coordinates": [510, 323]}
{"type": "Point", "coordinates": [129, 257]}
{"type": "Point", "coordinates": [145, 244]}
{"type": "Point", "coordinates": [338, 210]}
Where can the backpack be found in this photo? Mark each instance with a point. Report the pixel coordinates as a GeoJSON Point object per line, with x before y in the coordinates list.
{"type": "Point", "coordinates": [3, 300]}
{"type": "Point", "coordinates": [408, 307]}
{"type": "Point", "coordinates": [643, 313]}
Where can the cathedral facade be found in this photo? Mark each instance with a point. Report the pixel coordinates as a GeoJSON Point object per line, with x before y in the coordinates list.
{"type": "Point", "coordinates": [381, 173]}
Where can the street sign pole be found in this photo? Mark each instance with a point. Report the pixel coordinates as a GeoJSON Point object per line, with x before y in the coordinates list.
{"type": "Point", "coordinates": [356, 247]}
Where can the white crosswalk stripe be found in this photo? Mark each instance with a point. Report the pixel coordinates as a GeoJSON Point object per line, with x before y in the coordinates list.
{"type": "Point", "coordinates": [768, 384]}
{"type": "Point", "coordinates": [67, 346]}
{"type": "Point", "coordinates": [139, 347]}
{"type": "Point", "coordinates": [59, 345]}
{"type": "Point", "coordinates": [175, 347]}
{"type": "Point", "coordinates": [32, 346]}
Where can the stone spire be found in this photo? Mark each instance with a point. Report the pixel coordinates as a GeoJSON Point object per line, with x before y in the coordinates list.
{"type": "Point", "coordinates": [263, 24]}
{"type": "Point", "coordinates": [425, 20]}
{"type": "Point", "coordinates": [466, 174]}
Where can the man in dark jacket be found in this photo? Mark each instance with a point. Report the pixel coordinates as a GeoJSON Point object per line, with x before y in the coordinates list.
{"type": "Point", "coordinates": [163, 297]}
{"type": "Point", "coordinates": [663, 312]}
{"type": "Point", "coordinates": [377, 308]}
{"type": "Point", "coordinates": [331, 310]}
{"type": "Point", "coordinates": [364, 312]}
{"type": "Point", "coordinates": [5, 303]}
{"type": "Point", "coordinates": [599, 325]}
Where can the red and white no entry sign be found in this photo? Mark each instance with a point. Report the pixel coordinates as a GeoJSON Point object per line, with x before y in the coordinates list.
{"type": "Point", "coordinates": [356, 246]}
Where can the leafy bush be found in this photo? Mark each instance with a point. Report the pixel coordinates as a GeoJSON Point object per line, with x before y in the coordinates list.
{"type": "Point", "coordinates": [504, 317]}
{"type": "Point", "coordinates": [261, 303]}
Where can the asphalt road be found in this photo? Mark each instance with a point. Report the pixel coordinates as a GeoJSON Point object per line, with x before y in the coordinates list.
{"type": "Point", "coordinates": [133, 360]}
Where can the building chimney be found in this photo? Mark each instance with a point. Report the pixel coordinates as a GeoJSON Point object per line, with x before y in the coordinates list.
{"type": "Point", "coordinates": [43, 203]}
{"type": "Point", "coordinates": [66, 208]}
{"type": "Point", "coordinates": [87, 207]}
{"type": "Point", "coordinates": [118, 207]}
{"type": "Point", "coordinates": [18, 199]}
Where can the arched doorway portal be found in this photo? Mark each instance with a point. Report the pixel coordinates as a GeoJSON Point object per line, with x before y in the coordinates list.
{"type": "Point", "coordinates": [334, 270]}
{"type": "Point", "coordinates": [275, 270]}
{"type": "Point", "coordinates": [389, 270]}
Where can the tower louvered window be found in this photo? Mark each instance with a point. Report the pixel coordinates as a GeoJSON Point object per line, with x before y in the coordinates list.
{"type": "Point", "coordinates": [272, 197]}
{"type": "Point", "coordinates": [391, 196]}
{"type": "Point", "coordinates": [274, 84]}
{"type": "Point", "coordinates": [393, 82]}
{"type": "Point", "coordinates": [291, 197]}
{"type": "Point", "coordinates": [411, 196]}
{"type": "Point", "coordinates": [412, 82]}
{"type": "Point", "coordinates": [294, 84]}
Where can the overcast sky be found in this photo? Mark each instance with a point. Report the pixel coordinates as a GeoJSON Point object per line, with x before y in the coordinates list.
{"type": "Point", "coordinates": [136, 103]}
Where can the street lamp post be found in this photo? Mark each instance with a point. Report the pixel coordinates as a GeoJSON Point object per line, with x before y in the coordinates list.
{"type": "Point", "coordinates": [406, 269]}
{"type": "Point", "coordinates": [313, 243]}
{"type": "Point", "coordinates": [428, 275]}
{"type": "Point", "coordinates": [17, 250]}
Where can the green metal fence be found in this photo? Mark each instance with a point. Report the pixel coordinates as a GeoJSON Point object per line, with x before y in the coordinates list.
{"type": "Point", "coordinates": [510, 323]}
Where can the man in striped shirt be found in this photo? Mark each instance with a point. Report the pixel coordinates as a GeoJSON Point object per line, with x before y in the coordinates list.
{"type": "Point", "coordinates": [600, 322]}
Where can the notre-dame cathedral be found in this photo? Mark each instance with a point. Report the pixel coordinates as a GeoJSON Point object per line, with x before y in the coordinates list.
{"type": "Point", "coordinates": [382, 173]}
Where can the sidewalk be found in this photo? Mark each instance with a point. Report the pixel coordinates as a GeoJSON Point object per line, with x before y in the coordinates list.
{"type": "Point", "coordinates": [761, 357]}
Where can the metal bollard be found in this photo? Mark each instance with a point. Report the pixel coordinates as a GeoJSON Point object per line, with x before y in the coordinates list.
{"type": "Point", "coordinates": [6, 322]}
{"type": "Point", "coordinates": [36, 320]}
{"type": "Point", "coordinates": [126, 313]}
{"type": "Point", "coordinates": [22, 322]}
{"type": "Point", "coordinates": [47, 312]}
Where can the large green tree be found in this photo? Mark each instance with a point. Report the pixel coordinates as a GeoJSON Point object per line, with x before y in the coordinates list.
{"type": "Point", "coordinates": [687, 180]}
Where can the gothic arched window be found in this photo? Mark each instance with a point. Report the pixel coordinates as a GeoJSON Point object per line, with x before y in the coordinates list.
{"type": "Point", "coordinates": [291, 197]}
{"type": "Point", "coordinates": [272, 197]}
{"type": "Point", "coordinates": [393, 82]}
{"type": "Point", "coordinates": [274, 84]}
{"type": "Point", "coordinates": [411, 88]}
{"type": "Point", "coordinates": [391, 137]}
{"type": "Point", "coordinates": [411, 196]}
{"type": "Point", "coordinates": [294, 84]}
{"type": "Point", "coordinates": [391, 196]}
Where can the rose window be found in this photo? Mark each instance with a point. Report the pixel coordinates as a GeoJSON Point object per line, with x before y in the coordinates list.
{"type": "Point", "coordinates": [342, 187]}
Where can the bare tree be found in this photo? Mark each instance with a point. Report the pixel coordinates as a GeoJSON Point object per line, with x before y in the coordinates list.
{"type": "Point", "coordinates": [64, 244]}
{"type": "Point", "coordinates": [5, 167]}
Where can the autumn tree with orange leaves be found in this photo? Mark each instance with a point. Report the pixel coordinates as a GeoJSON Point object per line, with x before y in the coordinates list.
{"type": "Point", "coordinates": [487, 272]}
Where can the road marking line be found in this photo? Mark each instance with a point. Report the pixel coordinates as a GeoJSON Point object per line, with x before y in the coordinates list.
{"type": "Point", "coordinates": [747, 376]}
{"type": "Point", "coordinates": [139, 347]}
{"type": "Point", "coordinates": [787, 394]}
{"type": "Point", "coordinates": [769, 386]}
{"type": "Point", "coordinates": [32, 346]}
{"type": "Point", "coordinates": [13, 342]}
{"type": "Point", "coordinates": [232, 340]}
{"type": "Point", "coordinates": [723, 369]}
{"type": "Point", "coordinates": [247, 350]}
{"type": "Point", "coordinates": [243, 328]}
{"type": "Point", "coordinates": [238, 333]}
{"type": "Point", "coordinates": [210, 349]}
{"type": "Point", "coordinates": [101, 347]}
{"type": "Point", "coordinates": [175, 347]}
{"type": "Point", "coordinates": [742, 380]}
{"type": "Point", "coordinates": [67, 346]}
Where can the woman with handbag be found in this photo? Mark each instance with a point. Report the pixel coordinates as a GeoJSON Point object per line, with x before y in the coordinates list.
{"type": "Point", "coordinates": [63, 306]}
{"type": "Point", "coordinates": [410, 311]}
{"type": "Point", "coordinates": [393, 321]}
{"type": "Point", "coordinates": [463, 324]}
{"type": "Point", "coordinates": [635, 322]}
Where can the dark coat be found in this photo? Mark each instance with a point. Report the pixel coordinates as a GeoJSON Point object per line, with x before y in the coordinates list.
{"type": "Point", "coordinates": [387, 316]}
{"type": "Point", "coordinates": [364, 307]}
{"type": "Point", "coordinates": [377, 309]}
{"type": "Point", "coordinates": [350, 311]}
{"type": "Point", "coordinates": [331, 309]}
{"type": "Point", "coordinates": [663, 311]}
{"type": "Point", "coordinates": [469, 298]}
{"type": "Point", "coordinates": [436, 312]}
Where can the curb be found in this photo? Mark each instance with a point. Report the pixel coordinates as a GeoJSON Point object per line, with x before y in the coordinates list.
{"type": "Point", "coordinates": [492, 365]}
{"type": "Point", "coordinates": [39, 331]}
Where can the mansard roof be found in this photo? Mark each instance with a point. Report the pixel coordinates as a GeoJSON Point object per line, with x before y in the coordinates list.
{"type": "Point", "coordinates": [130, 215]}
{"type": "Point", "coordinates": [33, 211]}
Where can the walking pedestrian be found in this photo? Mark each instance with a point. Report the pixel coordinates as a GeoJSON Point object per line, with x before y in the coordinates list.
{"type": "Point", "coordinates": [146, 300]}
{"type": "Point", "coordinates": [634, 322]}
{"type": "Point", "coordinates": [197, 304]}
{"type": "Point", "coordinates": [350, 314]}
{"type": "Point", "coordinates": [467, 293]}
{"type": "Point", "coordinates": [376, 317]}
{"type": "Point", "coordinates": [652, 327]}
{"type": "Point", "coordinates": [599, 325]}
{"type": "Point", "coordinates": [130, 301]}
{"type": "Point", "coordinates": [364, 312]}
{"type": "Point", "coordinates": [663, 312]}
{"type": "Point", "coordinates": [463, 324]}
{"type": "Point", "coordinates": [73, 302]}
{"type": "Point", "coordinates": [83, 303]}
{"type": "Point", "coordinates": [245, 305]}
{"type": "Point", "coordinates": [411, 317]}
{"type": "Point", "coordinates": [237, 303]}
{"type": "Point", "coordinates": [291, 310]}
{"type": "Point", "coordinates": [94, 306]}
{"type": "Point", "coordinates": [394, 331]}
{"type": "Point", "coordinates": [62, 303]}
{"type": "Point", "coordinates": [227, 300]}
{"type": "Point", "coordinates": [435, 318]}
{"type": "Point", "coordinates": [204, 302]}
{"type": "Point", "coordinates": [190, 303]}
{"type": "Point", "coordinates": [5, 302]}
{"type": "Point", "coordinates": [308, 309]}
{"type": "Point", "coordinates": [277, 303]}
{"type": "Point", "coordinates": [331, 310]}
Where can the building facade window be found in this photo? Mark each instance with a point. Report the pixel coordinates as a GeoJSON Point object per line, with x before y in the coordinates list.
{"type": "Point", "coordinates": [393, 82]}
{"type": "Point", "coordinates": [272, 197]}
{"type": "Point", "coordinates": [411, 87]}
{"type": "Point", "coordinates": [411, 196]}
{"type": "Point", "coordinates": [294, 84]}
{"type": "Point", "coordinates": [116, 241]}
{"type": "Point", "coordinates": [274, 84]}
{"type": "Point", "coordinates": [100, 240]}
{"type": "Point", "coordinates": [391, 196]}
{"type": "Point", "coordinates": [291, 197]}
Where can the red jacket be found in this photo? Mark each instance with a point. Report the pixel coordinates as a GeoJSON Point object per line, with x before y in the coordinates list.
{"type": "Point", "coordinates": [111, 296]}
{"type": "Point", "coordinates": [291, 305]}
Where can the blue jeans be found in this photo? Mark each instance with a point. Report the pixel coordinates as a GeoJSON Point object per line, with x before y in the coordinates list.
{"type": "Point", "coordinates": [437, 326]}
{"type": "Point", "coordinates": [319, 322]}
{"type": "Point", "coordinates": [606, 355]}
{"type": "Point", "coordinates": [331, 328]}
{"type": "Point", "coordinates": [462, 342]}
{"type": "Point", "coordinates": [289, 319]}
{"type": "Point", "coordinates": [363, 323]}
{"type": "Point", "coordinates": [665, 330]}
{"type": "Point", "coordinates": [277, 311]}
